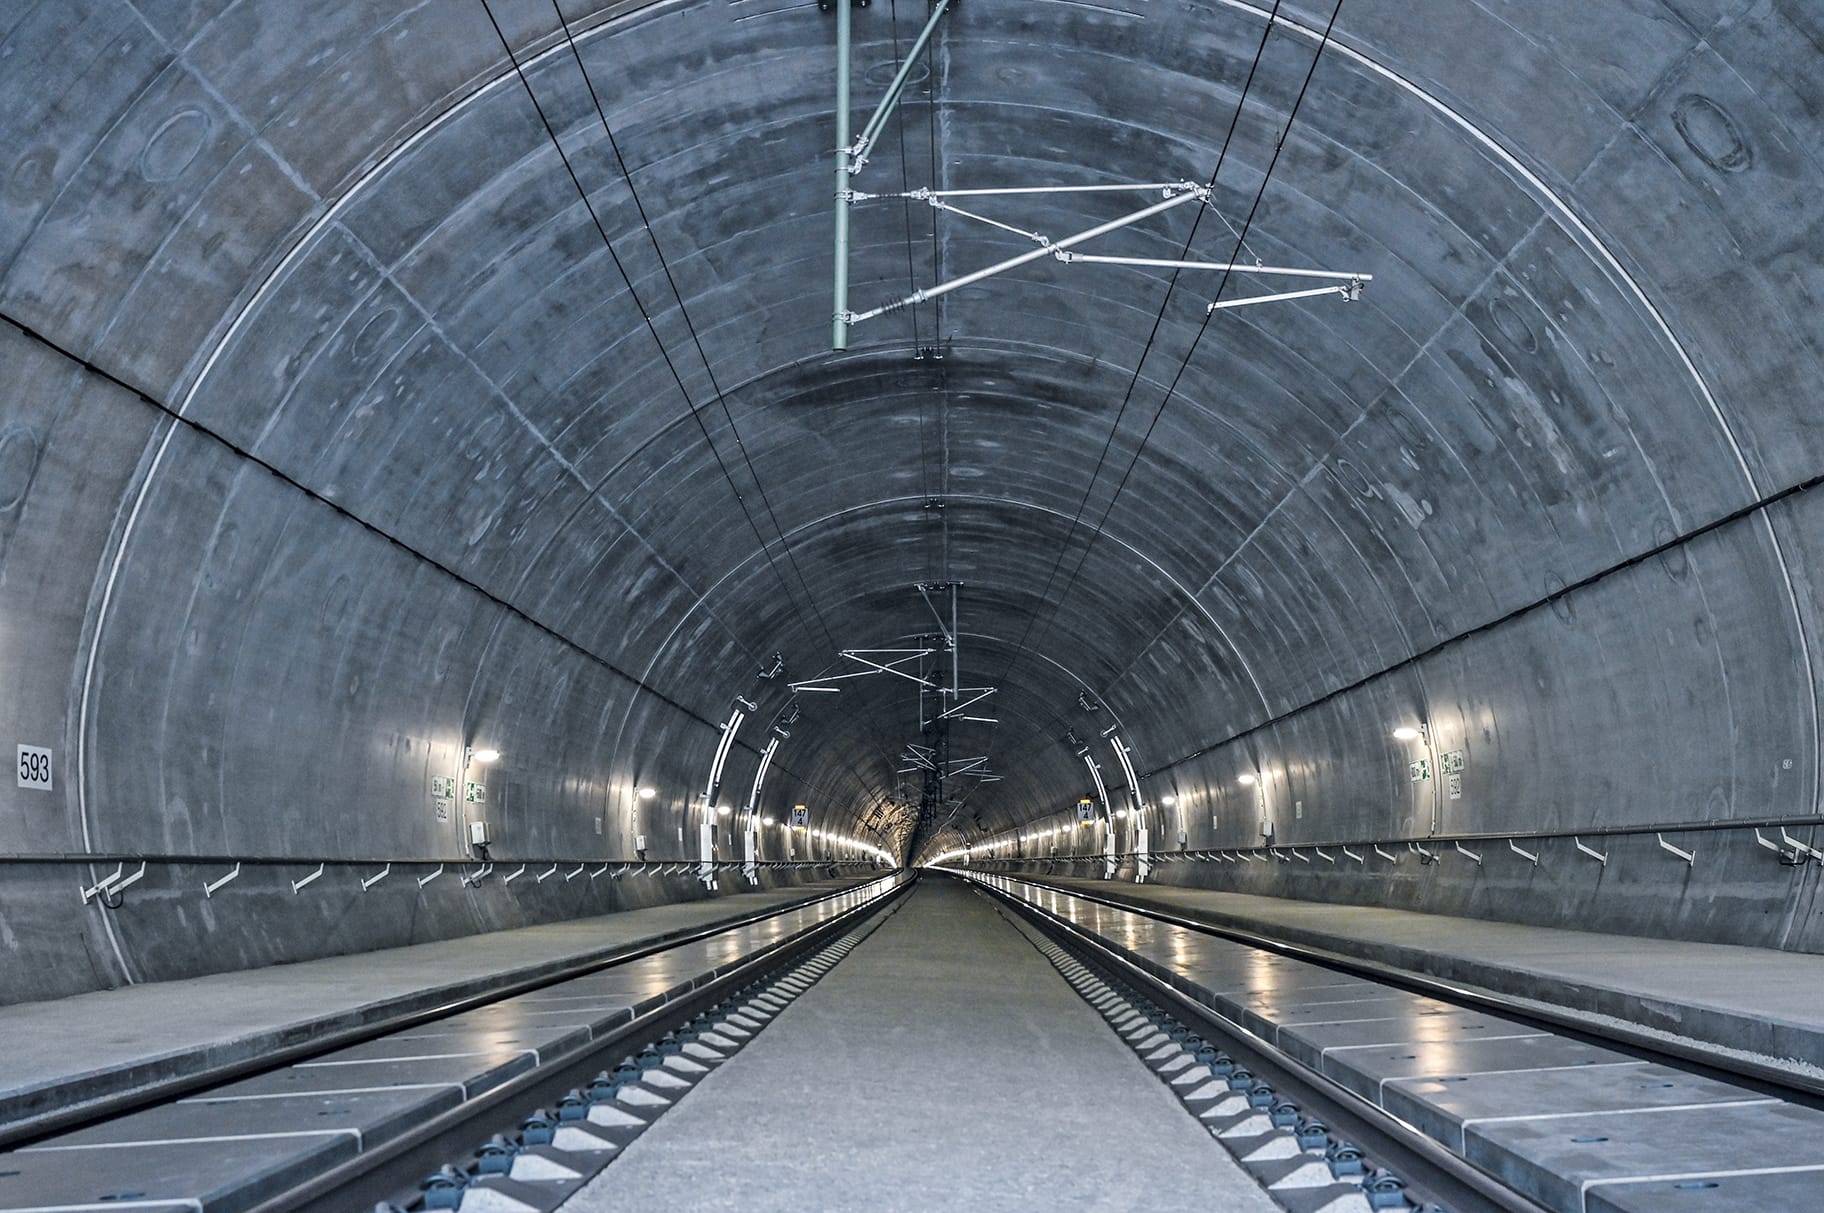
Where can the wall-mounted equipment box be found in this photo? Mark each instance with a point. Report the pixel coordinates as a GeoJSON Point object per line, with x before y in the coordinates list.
{"type": "Point", "coordinates": [478, 833]}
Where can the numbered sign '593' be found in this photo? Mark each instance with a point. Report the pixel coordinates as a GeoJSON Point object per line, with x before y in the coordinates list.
{"type": "Point", "coordinates": [35, 767]}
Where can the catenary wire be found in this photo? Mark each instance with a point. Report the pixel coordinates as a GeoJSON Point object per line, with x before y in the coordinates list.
{"type": "Point", "coordinates": [645, 315]}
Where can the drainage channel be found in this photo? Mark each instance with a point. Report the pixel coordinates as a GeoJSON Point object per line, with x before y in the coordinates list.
{"type": "Point", "coordinates": [563, 1146]}
{"type": "Point", "coordinates": [1309, 1146]}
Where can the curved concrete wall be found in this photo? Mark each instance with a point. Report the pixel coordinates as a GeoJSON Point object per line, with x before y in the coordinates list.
{"type": "Point", "coordinates": [333, 439]}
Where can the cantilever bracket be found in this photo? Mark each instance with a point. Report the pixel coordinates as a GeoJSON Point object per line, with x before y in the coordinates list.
{"type": "Point", "coordinates": [1800, 848]}
{"type": "Point", "coordinates": [1600, 857]}
{"type": "Point", "coordinates": [1690, 857]}
{"type": "Point", "coordinates": [210, 889]}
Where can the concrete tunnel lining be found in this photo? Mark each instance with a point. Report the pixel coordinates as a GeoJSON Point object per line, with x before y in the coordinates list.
{"type": "Point", "coordinates": [1588, 336]}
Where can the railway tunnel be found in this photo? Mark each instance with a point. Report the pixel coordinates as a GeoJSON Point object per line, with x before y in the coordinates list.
{"type": "Point", "coordinates": [1108, 605]}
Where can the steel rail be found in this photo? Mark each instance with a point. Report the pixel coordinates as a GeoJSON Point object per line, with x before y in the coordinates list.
{"type": "Point", "coordinates": [1685, 1053]}
{"type": "Point", "coordinates": [1433, 1172]}
{"type": "Point", "coordinates": [392, 1171]}
{"type": "Point", "coordinates": [31, 1128]}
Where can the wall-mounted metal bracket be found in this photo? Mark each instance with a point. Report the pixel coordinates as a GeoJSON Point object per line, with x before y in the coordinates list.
{"type": "Point", "coordinates": [1361, 859]}
{"type": "Point", "coordinates": [1464, 851]}
{"type": "Point", "coordinates": [1385, 855]}
{"type": "Point", "coordinates": [1600, 857]}
{"type": "Point", "coordinates": [1529, 856]}
{"type": "Point", "coordinates": [547, 875]}
{"type": "Point", "coordinates": [1690, 857]}
{"type": "Point", "coordinates": [105, 884]}
{"type": "Point", "coordinates": [376, 878]}
{"type": "Point", "coordinates": [298, 886]}
{"type": "Point", "coordinates": [210, 889]}
{"type": "Point", "coordinates": [1799, 848]}
{"type": "Point", "coordinates": [424, 880]}
{"type": "Point", "coordinates": [473, 880]}
{"type": "Point", "coordinates": [511, 877]}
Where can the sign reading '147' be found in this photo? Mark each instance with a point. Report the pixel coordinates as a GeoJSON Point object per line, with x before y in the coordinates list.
{"type": "Point", "coordinates": [35, 767]}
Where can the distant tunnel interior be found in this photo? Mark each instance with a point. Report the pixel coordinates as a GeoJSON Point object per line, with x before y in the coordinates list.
{"type": "Point", "coordinates": [407, 381]}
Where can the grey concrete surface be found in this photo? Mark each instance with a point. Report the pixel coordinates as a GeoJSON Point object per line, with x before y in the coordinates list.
{"type": "Point", "coordinates": [1759, 1000]}
{"type": "Point", "coordinates": [434, 483]}
{"type": "Point", "coordinates": [65, 1052]}
{"type": "Point", "coordinates": [943, 1064]}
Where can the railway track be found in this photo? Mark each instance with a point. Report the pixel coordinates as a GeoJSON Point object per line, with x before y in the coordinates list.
{"type": "Point", "coordinates": [1338, 1085]}
{"type": "Point", "coordinates": [1335, 1080]}
{"type": "Point", "coordinates": [377, 1119]}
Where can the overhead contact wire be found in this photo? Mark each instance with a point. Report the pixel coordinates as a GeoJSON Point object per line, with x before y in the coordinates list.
{"type": "Point", "coordinates": [1146, 350]}
{"type": "Point", "coordinates": [690, 326]}
{"type": "Point", "coordinates": [627, 279]}
{"type": "Point", "coordinates": [1209, 316]}
{"type": "Point", "coordinates": [702, 355]}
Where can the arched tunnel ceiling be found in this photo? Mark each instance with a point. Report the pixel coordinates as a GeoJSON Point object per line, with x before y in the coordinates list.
{"type": "Point", "coordinates": [347, 246]}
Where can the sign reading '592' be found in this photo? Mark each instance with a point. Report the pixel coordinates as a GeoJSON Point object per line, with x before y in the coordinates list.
{"type": "Point", "coordinates": [35, 767]}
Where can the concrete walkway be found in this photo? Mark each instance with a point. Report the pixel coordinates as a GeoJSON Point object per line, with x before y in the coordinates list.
{"type": "Point", "coordinates": [1758, 1001]}
{"type": "Point", "coordinates": [943, 1065]}
{"type": "Point", "coordinates": [70, 1052]}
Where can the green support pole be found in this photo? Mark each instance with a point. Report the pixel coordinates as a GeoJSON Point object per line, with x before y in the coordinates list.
{"type": "Point", "coordinates": [839, 338]}
{"type": "Point", "coordinates": [870, 134]}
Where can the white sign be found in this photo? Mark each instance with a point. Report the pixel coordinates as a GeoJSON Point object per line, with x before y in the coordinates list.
{"type": "Point", "coordinates": [1086, 810]}
{"type": "Point", "coordinates": [801, 818]}
{"type": "Point", "coordinates": [1419, 770]}
{"type": "Point", "coordinates": [35, 767]}
{"type": "Point", "coordinates": [441, 806]}
{"type": "Point", "coordinates": [443, 787]}
{"type": "Point", "coordinates": [477, 793]}
{"type": "Point", "coordinates": [1456, 786]}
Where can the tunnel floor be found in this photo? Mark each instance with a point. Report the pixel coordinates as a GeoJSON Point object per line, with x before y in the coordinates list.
{"type": "Point", "coordinates": [943, 1064]}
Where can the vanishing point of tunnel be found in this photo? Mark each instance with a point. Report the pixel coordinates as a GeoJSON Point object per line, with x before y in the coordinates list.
{"type": "Point", "coordinates": [1138, 604]}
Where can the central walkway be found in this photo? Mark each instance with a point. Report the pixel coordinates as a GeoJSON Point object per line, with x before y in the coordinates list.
{"type": "Point", "coordinates": [943, 1065]}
